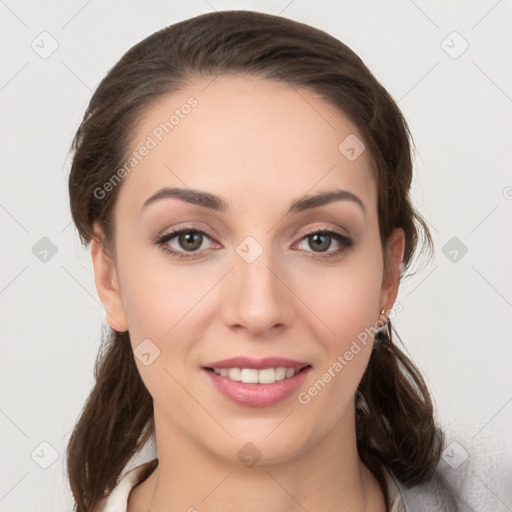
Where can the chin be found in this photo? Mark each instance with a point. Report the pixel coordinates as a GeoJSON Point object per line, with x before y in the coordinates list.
{"type": "Point", "coordinates": [264, 446]}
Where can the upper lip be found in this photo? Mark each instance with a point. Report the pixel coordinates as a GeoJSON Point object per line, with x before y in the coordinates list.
{"type": "Point", "coordinates": [258, 364]}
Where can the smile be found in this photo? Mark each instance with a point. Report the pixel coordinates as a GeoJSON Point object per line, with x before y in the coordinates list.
{"type": "Point", "coordinates": [253, 376]}
{"type": "Point", "coordinates": [257, 382]}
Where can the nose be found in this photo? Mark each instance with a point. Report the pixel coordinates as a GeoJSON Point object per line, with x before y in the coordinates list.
{"type": "Point", "coordinates": [257, 298]}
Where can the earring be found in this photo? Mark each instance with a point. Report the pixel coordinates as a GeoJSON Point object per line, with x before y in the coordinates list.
{"type": "Point", "coordinates": [388, 329]}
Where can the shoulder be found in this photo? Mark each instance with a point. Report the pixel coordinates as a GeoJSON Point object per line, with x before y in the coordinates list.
{"type": "Point", "coordinates": [442, 493]}
{"type": "Point", "coordinates": [117, 500]}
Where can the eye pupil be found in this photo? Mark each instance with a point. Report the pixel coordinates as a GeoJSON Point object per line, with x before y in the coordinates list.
{"type": "Point", "coordinates": [193, 238]}
{"type": "Point", "coordinates": [319, 243]}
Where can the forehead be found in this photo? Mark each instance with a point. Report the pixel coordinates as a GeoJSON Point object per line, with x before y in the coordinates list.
{"type": "Point", "coordinates": [271, 139]}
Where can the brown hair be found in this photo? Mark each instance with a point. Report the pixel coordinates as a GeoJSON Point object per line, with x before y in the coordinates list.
{"type": "Point", "coordinates": [395, 422]}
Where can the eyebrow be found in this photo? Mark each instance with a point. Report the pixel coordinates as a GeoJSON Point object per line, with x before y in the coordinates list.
{"type": "Point", "coordinates": [216, 203]}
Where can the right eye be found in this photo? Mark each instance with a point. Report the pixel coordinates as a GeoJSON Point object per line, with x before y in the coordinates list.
{"type": "Point", "coordinates": [183, 241]}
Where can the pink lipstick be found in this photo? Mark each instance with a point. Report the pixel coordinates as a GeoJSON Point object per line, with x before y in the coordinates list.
{"type": "Point", "coordinates": [257, 382]}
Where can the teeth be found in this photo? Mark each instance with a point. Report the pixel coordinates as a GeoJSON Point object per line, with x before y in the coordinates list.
{"type": "Point", "coordinates": [280, 373]}
{"type": "Point", "coordinates": [267, 376]}
{"type": "Point", "coordinates": [249, 376]}
{"type": "Point", "coordinates": [234, 374]}
{"type": "Point", "coordinates": [253, 376]}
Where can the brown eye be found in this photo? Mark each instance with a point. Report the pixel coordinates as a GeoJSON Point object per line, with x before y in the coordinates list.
{"type": "Point", "coordinates": [319, 242]}
{"type": "Point", "coordinates": [184, 243]}
{"type": "Point", "coordinates": [190, 240]}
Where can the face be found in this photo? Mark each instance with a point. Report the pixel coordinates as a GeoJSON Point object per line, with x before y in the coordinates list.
{"type": "Point", "coordinates": [241, 272]}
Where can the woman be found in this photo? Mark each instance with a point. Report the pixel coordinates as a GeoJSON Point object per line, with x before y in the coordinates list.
{"type": "Point", "coordinates": [243, 180]}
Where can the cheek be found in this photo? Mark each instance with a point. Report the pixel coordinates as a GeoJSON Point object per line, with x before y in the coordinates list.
{"type": "Point", "coordinates": [157, 296]}
{"type": "Point", "coordinates": [344, 297]}
{"type": "Point", "coordinates": [163, 304]}
{"type": "Point", "coordinates": [170, 305]}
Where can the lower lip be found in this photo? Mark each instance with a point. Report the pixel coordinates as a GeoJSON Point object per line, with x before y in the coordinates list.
{"type": "Point", "coordinates": [258, 395]}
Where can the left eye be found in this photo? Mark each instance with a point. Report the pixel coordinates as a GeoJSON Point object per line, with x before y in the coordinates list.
{"type": "Point", "coordinates": [320, 241]}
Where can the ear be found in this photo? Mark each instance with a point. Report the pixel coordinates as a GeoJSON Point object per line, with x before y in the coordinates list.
{"type": "Point", "coordinates": [394, 253]}
{"type": "Point", "coordinates": [107, 284]}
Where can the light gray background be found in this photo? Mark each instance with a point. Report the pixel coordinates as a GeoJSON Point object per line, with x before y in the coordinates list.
{"type": "Point", "coordinates": [456, 317]}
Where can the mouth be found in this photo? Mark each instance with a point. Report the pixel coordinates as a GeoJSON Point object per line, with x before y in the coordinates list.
{"type": "Point", "coordinates": [257, 376]}
{"type": "Point", "coordinates": [257, 383]}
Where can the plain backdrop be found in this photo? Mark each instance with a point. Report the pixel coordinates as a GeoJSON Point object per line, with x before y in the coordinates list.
{"type": "Point", "coordinates": [448, 66]}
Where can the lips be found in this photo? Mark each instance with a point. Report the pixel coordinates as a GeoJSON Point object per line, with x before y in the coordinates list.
{"type": "Point", "coordinates": [257, 364]}
{"type": "Point", "coordinates": [254, 393]}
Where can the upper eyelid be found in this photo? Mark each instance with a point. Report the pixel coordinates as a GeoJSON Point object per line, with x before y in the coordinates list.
{"type": "Point", "coordinates": [185, 229]}
{"type": "Point", "coordinates": [312, 231]}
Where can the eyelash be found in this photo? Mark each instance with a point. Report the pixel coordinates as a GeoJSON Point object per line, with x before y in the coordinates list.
{"type": "Point", "coordinates": [162, 240]}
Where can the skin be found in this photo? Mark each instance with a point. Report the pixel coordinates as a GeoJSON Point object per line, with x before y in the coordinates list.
{"type": "Point", "coordinates": [259, 145]}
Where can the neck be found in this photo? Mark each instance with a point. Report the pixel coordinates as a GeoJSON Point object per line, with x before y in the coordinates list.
{"type": "Point", "coordinates": [329, 476]}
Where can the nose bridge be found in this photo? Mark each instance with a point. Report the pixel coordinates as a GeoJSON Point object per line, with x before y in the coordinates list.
{"type": "Point", "coordinates": [257, 298]}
